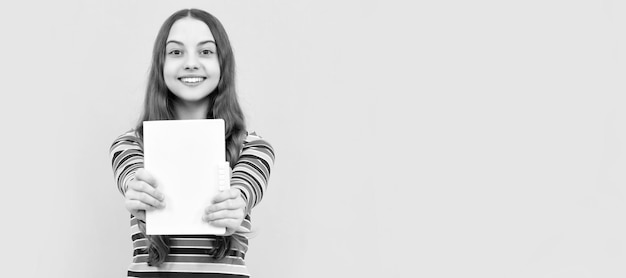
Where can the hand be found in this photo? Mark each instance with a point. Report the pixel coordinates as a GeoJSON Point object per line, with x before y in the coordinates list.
{"type": "Point", "coordinates": [228, 210]}
{"type": "Point", "coordinates": [142, 195]}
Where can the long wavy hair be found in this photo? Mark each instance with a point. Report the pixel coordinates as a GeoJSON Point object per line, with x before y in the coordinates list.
{"type": "Point", "coordinates": [223, 104]}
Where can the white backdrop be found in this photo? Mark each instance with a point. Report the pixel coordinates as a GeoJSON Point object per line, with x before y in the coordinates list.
{"type": "Point", "coordinates": [433, 139]}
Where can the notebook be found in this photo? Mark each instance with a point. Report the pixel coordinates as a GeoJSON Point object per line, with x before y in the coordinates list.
{"type": "Point", "coordinates": [185, 156]}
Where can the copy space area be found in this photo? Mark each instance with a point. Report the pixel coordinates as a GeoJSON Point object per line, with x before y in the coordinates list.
{"type": "Point", "coordinates": [429, 139]}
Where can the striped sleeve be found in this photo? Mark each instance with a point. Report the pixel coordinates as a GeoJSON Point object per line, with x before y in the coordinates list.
{"type": "Point", "coordinates": [252, 171]}
{"type": "Point", "coordinates": [126, 157]}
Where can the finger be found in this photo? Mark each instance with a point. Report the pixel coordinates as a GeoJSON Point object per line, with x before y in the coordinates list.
{"type": "Point", "coordinates": [145, 198]}
{"type": "Point", "coordinates": [224, 214]}
{"type": "Point", "coordinates": [145, 176]}
{"type": "Point", "coordinates": [229, 231]}
{"type": "Point", "coordinates": [142, 186]}
{"type": "Point", "coordinates": [227, 223]}
{"type": "Point", "coordinates": [133, 205]}
{"type": "Point", "coordinates": [229, 204]}
{"type": "Point", "coordinates": [231, 193]}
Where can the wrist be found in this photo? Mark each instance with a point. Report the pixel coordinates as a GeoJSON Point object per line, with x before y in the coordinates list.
{"type": "Point", "coordinates": [245, 201]}
{"type": "Point", "coordinates": [128, 180]}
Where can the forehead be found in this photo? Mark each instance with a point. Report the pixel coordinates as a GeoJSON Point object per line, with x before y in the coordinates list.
{"type": "Point", "coordinates": [190, 31]}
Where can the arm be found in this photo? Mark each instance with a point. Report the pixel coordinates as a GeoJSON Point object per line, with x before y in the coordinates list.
{"type": "Point", "coordinates": [252, 171]}
{"type": "Point", "coordinates": [126, 157]}
{"type": "Point", "coordinates": [231, 208]}
{"type": "Point", "coordinates": [136, 185]}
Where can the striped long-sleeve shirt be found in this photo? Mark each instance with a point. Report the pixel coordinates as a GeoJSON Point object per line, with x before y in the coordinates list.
{"type": "Point", "coordinates": [188, 256]}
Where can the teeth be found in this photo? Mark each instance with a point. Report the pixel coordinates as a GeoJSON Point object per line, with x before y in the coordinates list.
{"type": "Point", "coordinates": [191, 79]}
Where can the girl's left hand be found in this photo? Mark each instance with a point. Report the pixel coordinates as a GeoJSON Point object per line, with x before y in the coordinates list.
{"type": "Point", "coordinates": [228, 210]}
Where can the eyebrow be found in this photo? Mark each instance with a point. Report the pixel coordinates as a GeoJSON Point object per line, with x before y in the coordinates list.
{"type": "Point", "coordinates": [177, 42]}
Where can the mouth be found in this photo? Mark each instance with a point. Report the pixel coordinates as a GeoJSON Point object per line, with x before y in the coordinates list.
{"type": "Point", "coordinates": [192, 80]}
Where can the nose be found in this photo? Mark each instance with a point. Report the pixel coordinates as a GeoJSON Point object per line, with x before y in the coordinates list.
{"type": "Point", "coordinates": [191, 63]}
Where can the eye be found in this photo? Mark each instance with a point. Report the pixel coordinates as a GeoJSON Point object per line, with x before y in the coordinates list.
{"type": "Point", "coordinates": [207, 52]}
{"type": "Point", "coordinates": [175, 52]}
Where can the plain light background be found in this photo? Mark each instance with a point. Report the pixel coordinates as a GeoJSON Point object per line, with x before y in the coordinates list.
{"type": "Point", "coordinates": [431, 139]}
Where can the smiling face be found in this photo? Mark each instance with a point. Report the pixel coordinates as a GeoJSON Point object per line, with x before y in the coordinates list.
{"type": "Point", "coordinates": [191, 69]}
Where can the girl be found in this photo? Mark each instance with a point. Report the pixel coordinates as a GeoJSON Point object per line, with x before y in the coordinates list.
{"type": "Point", "coordinates": [192, 77]}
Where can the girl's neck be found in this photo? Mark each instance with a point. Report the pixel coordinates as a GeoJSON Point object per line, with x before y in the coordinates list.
{"type": "Point", "coordinates": [191, 110]}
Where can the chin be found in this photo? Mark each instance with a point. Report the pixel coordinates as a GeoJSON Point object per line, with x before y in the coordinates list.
{"type": "Point", "coordinates": [191, 96]}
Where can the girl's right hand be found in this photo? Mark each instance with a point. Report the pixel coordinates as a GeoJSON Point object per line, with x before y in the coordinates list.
{"type": "Point", "coordinates": [142, 195]}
